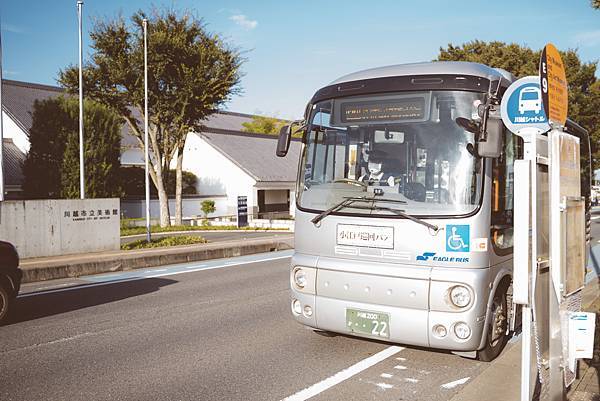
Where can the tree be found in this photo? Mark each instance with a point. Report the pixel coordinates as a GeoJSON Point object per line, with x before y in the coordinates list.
{"type": "Point", "coordinates": [596, 4]}
{"type": "Point", "coordinates": [191, 72]}
{"type": "Point", "coordinates": [208, 207]}
{"type": "Point", "coordinates": [133, 181]}
{"type": "Point", "coordinates": [584, 87]}
{"type": "Point", "coordinates": [51, 168]}
{"type": "Point", "coordinates": [102, 139]}
{"type": "Point", "coordinates": [264, 125]}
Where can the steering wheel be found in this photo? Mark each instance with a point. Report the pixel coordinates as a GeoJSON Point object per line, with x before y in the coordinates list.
{"type": "Point", "coordinates": [350, 181]}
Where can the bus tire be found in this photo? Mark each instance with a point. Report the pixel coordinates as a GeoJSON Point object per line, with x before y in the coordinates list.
{"type": "Point", "coordinates": [497, 333]}
{"type": "Point", "coordinates": [5, 301]}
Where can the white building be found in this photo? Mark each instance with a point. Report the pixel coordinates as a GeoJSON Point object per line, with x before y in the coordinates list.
{"type": "Point", "coordinates": [227, 161]}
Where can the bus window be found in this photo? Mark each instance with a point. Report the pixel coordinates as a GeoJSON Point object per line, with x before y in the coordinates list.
{"type": "Point", "coordinates": [502, 193]}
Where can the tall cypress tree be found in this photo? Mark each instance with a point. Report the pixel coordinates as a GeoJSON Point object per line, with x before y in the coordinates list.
{"type": "Point", "coordinates": [52, 166]}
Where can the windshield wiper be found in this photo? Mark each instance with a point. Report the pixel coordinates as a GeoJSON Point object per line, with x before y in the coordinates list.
{"type": "Point", "coordinates": [340, 205]}
{"type": "Point", "coordinates": [400, 213]}
{"type": "Point", "coordinates": [349, 201]}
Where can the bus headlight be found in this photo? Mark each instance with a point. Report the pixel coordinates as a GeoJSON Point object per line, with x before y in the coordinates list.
{"type": "Point", "coordinates": [462, 330]}
{"type": "Point", "coordinates": [460, 296]}
{"type": "Point", "coordinates": [300, 278]}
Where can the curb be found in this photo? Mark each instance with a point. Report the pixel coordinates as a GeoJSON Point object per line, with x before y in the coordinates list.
{"type": "Point", "coordinates": [507, 366]}
{"type": "Point", "coordinates": [143, 235]}
{"type": "Point", "coordinates": [82, 265]}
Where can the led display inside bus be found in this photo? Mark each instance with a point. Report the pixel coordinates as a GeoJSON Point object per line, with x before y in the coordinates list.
{"type": "Point", "coordinates": [412, 108]}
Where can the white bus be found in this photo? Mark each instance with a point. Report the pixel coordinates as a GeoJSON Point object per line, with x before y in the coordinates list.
{"type": "Point", "coordinates": [404, 222]}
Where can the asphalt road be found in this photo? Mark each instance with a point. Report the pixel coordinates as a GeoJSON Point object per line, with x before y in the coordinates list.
{"type": "Point", "coordinates": [211, 236]}
{"type": "Point", "coordinates": [220, 330]}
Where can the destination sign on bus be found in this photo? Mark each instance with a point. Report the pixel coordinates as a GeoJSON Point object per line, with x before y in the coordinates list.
{"type": "Point", "coordinates": [386, 110]}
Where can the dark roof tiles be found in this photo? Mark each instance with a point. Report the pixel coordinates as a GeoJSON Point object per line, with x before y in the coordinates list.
{"type": "Point", "coordinates": [255, 154]}
{"type": "Point", "coordinates": [18, 98]}
{"type": "Point", "coordinates": [13, 163]}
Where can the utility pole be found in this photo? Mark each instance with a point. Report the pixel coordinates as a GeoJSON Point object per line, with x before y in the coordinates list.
{"type": "Point", "coordinates": [146, 155]}
{"type": "Point", "coordinates": [81, 167]}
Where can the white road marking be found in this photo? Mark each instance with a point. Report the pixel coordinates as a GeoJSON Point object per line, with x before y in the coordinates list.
{"type": "Point", "coordinates": [144, 276]}
{"type": "Point", "coordinates": [401, 359]}
{"type": "Point", "coordinates": [386, 375]}
{"type": "Point", "coordinates": [55, 286]}
{"type": "Point", "coordinates": [344, 374]}
{"type": "Point", "coordinates": [384, 386]}
{"type": "Point", "coordinates": [455, 383]}
{"type": "Point", "coordinates": [216, 267]}
{"type": "Point", "coordinates": [58, 341]}
{"type": "Point", "coordinates": [411, 380]}
{"type": "Point", "coordinates": [400, 367]}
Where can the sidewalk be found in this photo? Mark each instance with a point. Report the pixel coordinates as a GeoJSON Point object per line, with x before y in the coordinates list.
{"type": "Point", "coordinates": [49, 268]}
{"type": "Point", "coordinates": [500, 381]}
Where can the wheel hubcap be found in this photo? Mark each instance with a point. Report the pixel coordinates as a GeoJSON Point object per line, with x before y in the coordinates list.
{"type": "Point", "coordinates": [498, 323]}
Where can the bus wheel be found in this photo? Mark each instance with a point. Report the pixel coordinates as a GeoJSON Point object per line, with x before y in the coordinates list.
{"type": "Point", "coordinates": [496, 337]}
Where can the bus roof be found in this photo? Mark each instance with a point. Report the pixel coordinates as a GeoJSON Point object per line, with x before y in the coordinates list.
{"type": "Point", "coordinates": [429, 68]}
{"type": "Point", "coordinates": [435, 75]}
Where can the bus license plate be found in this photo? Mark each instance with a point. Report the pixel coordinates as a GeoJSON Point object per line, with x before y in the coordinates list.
{"type": "Point", "coordinates": [367, 322]}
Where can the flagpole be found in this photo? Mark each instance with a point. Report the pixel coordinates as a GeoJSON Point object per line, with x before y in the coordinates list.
{"type": "Point", "coordinates": [147, 156]}
{"type": "Point", "coordinates": [81, 167]}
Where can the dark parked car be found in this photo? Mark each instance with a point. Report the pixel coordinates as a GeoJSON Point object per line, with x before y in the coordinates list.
{"type": "Point", "coordinates": [10, 278]}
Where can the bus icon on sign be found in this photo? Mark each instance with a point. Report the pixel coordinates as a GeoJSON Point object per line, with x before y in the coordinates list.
{"type": "Point", "coordinates": [530, 99]}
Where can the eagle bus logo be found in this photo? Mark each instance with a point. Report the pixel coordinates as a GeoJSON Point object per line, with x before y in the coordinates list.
{"type": "Point", "coordinates": [425, 256]}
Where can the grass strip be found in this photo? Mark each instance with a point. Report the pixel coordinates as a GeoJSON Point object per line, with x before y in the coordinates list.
{"type": "Point", "coordinates": [164, 241]}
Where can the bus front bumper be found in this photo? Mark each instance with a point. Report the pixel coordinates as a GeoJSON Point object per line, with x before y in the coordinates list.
{"type": "Point", "coordinates": [409, 326]}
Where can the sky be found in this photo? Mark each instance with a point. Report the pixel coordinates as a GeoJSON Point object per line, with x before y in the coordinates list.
{"type": "Point", "coordinates": [293, 48]}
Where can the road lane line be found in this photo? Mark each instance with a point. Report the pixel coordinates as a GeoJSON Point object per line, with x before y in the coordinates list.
{"type": "Point", "coordinates": [455, 383]}
{"type": "Point", "coordinates": [229, 264]}
{"type": "Point", "coordinates": [58, 341]}
{"type": "Point", "coordinates": [143, 275]}
{"type": "Point", "coordinates": [344, 374]}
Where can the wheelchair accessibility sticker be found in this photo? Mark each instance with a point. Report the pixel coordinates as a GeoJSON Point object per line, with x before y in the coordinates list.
{"type": "Point", "coordinates": [457, 238]}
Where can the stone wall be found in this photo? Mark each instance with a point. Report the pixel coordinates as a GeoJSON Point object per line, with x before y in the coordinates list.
{"type": "Point", "coordinates": [40, 228]}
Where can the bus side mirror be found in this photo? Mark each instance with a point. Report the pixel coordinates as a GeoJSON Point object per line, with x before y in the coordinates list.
{"type": "Point", "coordinates": [492, 146]}
{"type": "Point", "coordinates": [283, 143]}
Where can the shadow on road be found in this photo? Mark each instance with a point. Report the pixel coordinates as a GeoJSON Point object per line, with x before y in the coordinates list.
{"type": "Point", "coordinates": [43, 305]}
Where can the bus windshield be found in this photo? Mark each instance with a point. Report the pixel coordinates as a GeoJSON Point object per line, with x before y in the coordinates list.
{"type": "Point", "coordinates": [405, 151]}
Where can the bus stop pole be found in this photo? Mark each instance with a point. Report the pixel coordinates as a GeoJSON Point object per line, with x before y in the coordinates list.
{"type": "Point", "coordinates": [526, 254]}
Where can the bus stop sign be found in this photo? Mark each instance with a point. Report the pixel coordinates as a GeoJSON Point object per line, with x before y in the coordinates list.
{"type": "Point", "coordinates": [522, 106]}
{"type": "Point", "coordinates": [553, 79]}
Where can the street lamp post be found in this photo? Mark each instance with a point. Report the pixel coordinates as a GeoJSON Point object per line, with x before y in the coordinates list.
{"type": "Point", "coordinates": [81, 167]}
{"type": "Point", "coordinates": [146, 155]}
